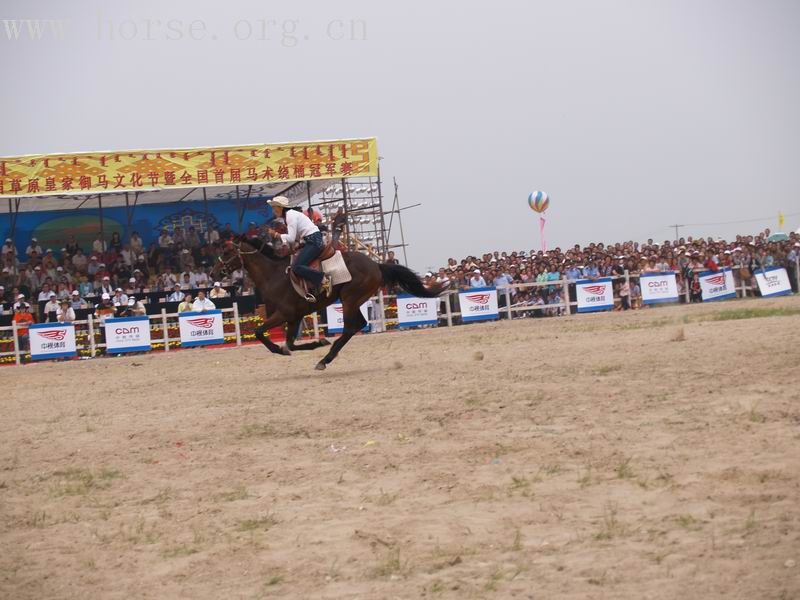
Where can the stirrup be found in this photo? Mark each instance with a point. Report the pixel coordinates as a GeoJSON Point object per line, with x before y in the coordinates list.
{"type": "Point", "coordinates": [325, 287]}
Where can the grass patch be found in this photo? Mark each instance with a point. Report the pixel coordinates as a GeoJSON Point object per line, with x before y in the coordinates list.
{"type": "Point", "coordinates": [257, 430]}
{"type": "Point", "coordinates": [163, 496]}
{"type": "Point", "coordinates": [79, 482]}
{"type": "Point", "coordinates": [610, 526]}
{"type": "Point", "coordinates": [391, 564]}
{"type": "Point", "coordinates": [260, 524]}
{"type": "Point", "coordinates": [606, 369]}
{"type": "Point", "coordinates": [735, 314]}
{"type": "Point", "coordinates": [624, 470]}
{"type": "Point", "coordinates": [237, 493]}
{"type": "Point", "coordinates": [178, 551]}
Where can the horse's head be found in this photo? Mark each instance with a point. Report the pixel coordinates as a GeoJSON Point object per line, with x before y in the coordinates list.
{"type": "Point", "coordinates": [229, 259]}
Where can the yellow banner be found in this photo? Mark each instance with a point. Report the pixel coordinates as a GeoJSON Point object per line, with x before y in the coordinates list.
{"type": "Point", "coordinates": [140, 170]}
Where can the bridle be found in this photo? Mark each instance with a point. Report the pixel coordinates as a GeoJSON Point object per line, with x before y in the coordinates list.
{"type": "Point", "coordinates": [227, 264]}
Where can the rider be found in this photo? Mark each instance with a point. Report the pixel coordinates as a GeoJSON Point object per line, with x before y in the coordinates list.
{"type": "Point", "coordinates": [300, 227]}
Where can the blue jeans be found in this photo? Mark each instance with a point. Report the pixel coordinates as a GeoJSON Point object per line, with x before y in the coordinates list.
{"type": "Point", "coordinates": [311, 250]}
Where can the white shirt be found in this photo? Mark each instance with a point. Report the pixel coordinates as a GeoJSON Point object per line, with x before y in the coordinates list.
{"type": "Point", "coordinates": [175, 297]}
{"type": "Point", "coordinates": [200, 305]}
{"type": "Point", "coordinates": [65, 316]}
{"type": "Point", "coordinates": [298, 226]}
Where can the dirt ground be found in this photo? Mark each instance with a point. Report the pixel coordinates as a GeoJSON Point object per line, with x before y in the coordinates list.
{"type": "Point", "coordinates": [641, 455]}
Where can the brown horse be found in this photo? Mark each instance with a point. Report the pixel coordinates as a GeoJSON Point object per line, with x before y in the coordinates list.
{"type": "Point", "coordinates": [285, 307]}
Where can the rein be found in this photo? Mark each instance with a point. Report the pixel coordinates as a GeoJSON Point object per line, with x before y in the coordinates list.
{"type": "Point", "coordinates": [226, 264]}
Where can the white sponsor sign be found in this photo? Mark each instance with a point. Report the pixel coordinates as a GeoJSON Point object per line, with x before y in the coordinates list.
{"type": "Point", "coordinates": [201, 328]}
{"type": "Point", "coordinates": [773, 281]}
{"type": "Point", "coordinates": [128, 334]}
{"type": "Point", "coordinates": [52, 340]}
{"type": "Point", "coordinates": [413, 311]}
{"type": "Point", "coordinates": [478, 304]}
{"type": "Point", "coordinates": [658, 287]}
{"type": "Point", "coordinates": [335, 313]}
{"type": "Point", "coordinates": [594, 295]}
{"type": "Point", "coordinates": [717, 286]}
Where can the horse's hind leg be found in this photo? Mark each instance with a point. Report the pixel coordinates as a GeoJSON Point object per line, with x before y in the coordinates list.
{"type": "Point", "coordinates": [291, 335]}
{"type": "Point", "coordinates": [353, 323]}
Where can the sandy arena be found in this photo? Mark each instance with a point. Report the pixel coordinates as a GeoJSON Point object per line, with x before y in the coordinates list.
{"type": "Point", "coordinates": [641, 455]}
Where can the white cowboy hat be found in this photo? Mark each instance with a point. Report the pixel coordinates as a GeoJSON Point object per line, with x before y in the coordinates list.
{"type": "Point", "coordinates": [281, 201]}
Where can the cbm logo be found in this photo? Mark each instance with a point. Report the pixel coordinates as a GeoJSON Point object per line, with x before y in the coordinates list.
{"type": "Point", "coordinates": [416, 305]}
{"type": "Point", "coordinates": [126, 330]}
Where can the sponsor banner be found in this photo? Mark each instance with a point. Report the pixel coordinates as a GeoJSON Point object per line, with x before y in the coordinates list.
{"type": "Point", "coordinates": [335, 313]}
{"type": "Point", "coordinates": [658, 287]}
{"type": "Point", "coordinates": [594, 295]}
{"type": "Point", "coordinates": [717, 286]}
{"type": "Point", "coordinates": [140, 170]}
{"type": "Point", "coordinates": [128, 334]}
{"type": "Point", "coordinates": [478, 304]}
{"type": "Point", "coordinates": [201, 328]}
{"type": "Point", "coordinates": [52, 340]}
{"type": "Point", "coordinates": [773, 281]}
{"type": "Point", "coordinates": [413, 311]}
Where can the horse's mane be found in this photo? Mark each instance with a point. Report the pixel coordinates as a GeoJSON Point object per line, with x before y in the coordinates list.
{"type": "Point", "coordinates": [266, 248]}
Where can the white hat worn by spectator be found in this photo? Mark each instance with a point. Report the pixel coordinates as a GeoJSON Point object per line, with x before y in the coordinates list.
{"type": "Point", "coordinates": [105, 296]}
{"type": "Point", "coordinates": [132, 280]}
{"type": "Point", "coordinates": [21, 297]}
{"type": "Point", "coordinates": [217, 284]}
{"type": "Point", "coordinates": [76, 293]}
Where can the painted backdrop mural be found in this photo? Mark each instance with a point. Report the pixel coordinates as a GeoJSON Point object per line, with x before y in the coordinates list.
{"type": "Point", "coordinates": [52, 229]}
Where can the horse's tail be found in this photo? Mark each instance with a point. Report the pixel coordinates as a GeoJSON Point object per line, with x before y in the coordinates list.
{"type": "Point", "coordinates": [409, 281]}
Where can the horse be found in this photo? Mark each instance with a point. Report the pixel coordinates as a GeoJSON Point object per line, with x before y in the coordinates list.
{"type": "Point", "coordinates": [269, 271]}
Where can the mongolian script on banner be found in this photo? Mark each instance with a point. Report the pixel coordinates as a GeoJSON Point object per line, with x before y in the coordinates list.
{"type": "Point", "coordinates": [594, 294]}
{"type": "Point", "coordinates": [658, 287]}
{"type": "Point", "coordinates": [52, 340]}
{"type": "Point", "coordinates": [139, 170]}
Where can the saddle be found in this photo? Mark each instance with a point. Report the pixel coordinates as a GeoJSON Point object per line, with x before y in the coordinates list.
{"type": "Point", "coordinates": [301, 285]}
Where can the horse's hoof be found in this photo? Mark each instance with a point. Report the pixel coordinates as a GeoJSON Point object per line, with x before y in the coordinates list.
{"type": "Point", "coordinates": [324, 342]}
{"type": "Point", "coordinates": [320, 366]}
{"type": "Point", "coordinates": [285, 351]}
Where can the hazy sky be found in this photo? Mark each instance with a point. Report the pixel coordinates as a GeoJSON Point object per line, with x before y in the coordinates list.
{"type": "Point", "coordinates": [632, 115]}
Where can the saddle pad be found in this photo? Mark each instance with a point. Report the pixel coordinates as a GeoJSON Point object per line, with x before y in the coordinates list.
{"type": "Point", "coordinates": [335, 267]}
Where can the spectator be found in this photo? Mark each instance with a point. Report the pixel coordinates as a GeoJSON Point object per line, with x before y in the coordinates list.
{"type": "Point", "coordinates": [99, 245]}
{"type": "Point", "coordinates": [65, 313]}
{"type": "Point", "coordinates": [218, 291]}
{"type": "Point", "coordinates": [23, 318]}
{"type": "Point", "coordinates": [76, 301]}
{"type": "Point", "coordinates": [135, 308]}
{"type": "Point", "coordinates": [202, 304]}
{"type": "Point", "coordinates": [186, 304]}
{"type": "Point", "coordinates": [105, 309]}
{"type": "Point", "coordinates": [177, 295]}
{"type": "Point", "coordinates": [476, 281]}
{"type": "Point", "coordinates": [33, 249]}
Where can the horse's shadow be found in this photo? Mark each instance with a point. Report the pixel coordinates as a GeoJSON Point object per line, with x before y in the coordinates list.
{"type": "Point", "coordinates": [331, 374]}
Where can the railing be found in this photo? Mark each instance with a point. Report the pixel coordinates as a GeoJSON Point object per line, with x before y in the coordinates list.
{"type": "Point", "coordinates": [379, 315]}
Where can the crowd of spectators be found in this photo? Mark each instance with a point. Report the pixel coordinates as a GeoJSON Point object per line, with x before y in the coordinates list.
{"type": "Point", "coordinates": [112, 277]}
{"type": "Point", "coordinates": [686, 257]}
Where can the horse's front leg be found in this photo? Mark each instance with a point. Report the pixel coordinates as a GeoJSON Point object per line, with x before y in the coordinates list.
{"type": "Point", "coordinates": [261, 334]}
